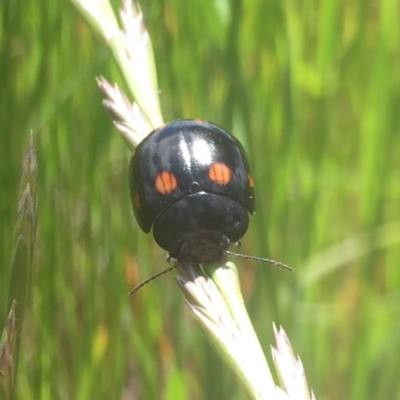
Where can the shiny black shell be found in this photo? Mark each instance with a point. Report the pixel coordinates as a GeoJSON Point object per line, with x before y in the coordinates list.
{"type": "Point", "coordinates": [190, 181]}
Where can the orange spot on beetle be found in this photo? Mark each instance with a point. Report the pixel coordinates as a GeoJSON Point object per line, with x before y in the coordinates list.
{"type": "Point", "coordinates": [219, 173]}
{"type": "Point", "coordinates": [250, 180]}
{"type": "Point", "coordinates": [165, 182]}
{"type": "Point", "coordinates": [136, 200]}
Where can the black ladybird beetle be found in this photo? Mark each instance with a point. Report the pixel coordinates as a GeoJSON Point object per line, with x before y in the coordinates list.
{"type": "Point", "coordinates": [190, 181]}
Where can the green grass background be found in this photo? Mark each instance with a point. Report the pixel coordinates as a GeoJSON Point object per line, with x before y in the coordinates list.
{"type": "Point", "coordinates": [312, 89]}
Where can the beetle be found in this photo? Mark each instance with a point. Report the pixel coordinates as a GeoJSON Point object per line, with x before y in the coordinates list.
{"type": "Point", "coordinates": [190, 182]}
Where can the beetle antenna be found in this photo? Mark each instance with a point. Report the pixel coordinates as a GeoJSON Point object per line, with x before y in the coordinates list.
{"type": "Point", "coordinates": [227, 253]}
{"type": "Point", "coordinates": [136, 288]}
{"type": "Point", "coordinates": [260, 259]}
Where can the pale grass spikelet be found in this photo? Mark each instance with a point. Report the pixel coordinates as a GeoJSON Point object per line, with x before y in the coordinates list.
{"type": "Point", "coordinates": [127, 117]}
{"type": "Point", "coordinates": [131, 49]}
{"type": "Point", "coordinates": [140, 61]}
{"type": "Point", "coordinates": [135, 35]}
{"type": "Point", "coordinates": [7, 354]}
{"type": "Point", "coordinates": [101, 17]}
{"type": "Point", "coordinates": [218, 305]}
{"type": "Point", "coordinates": [230, 336]}
{"type": "Point", "coordinates": [290, 369]}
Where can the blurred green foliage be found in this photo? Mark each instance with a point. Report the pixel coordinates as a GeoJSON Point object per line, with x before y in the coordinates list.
{"type": "Point", "coordinates": [312, 89]}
